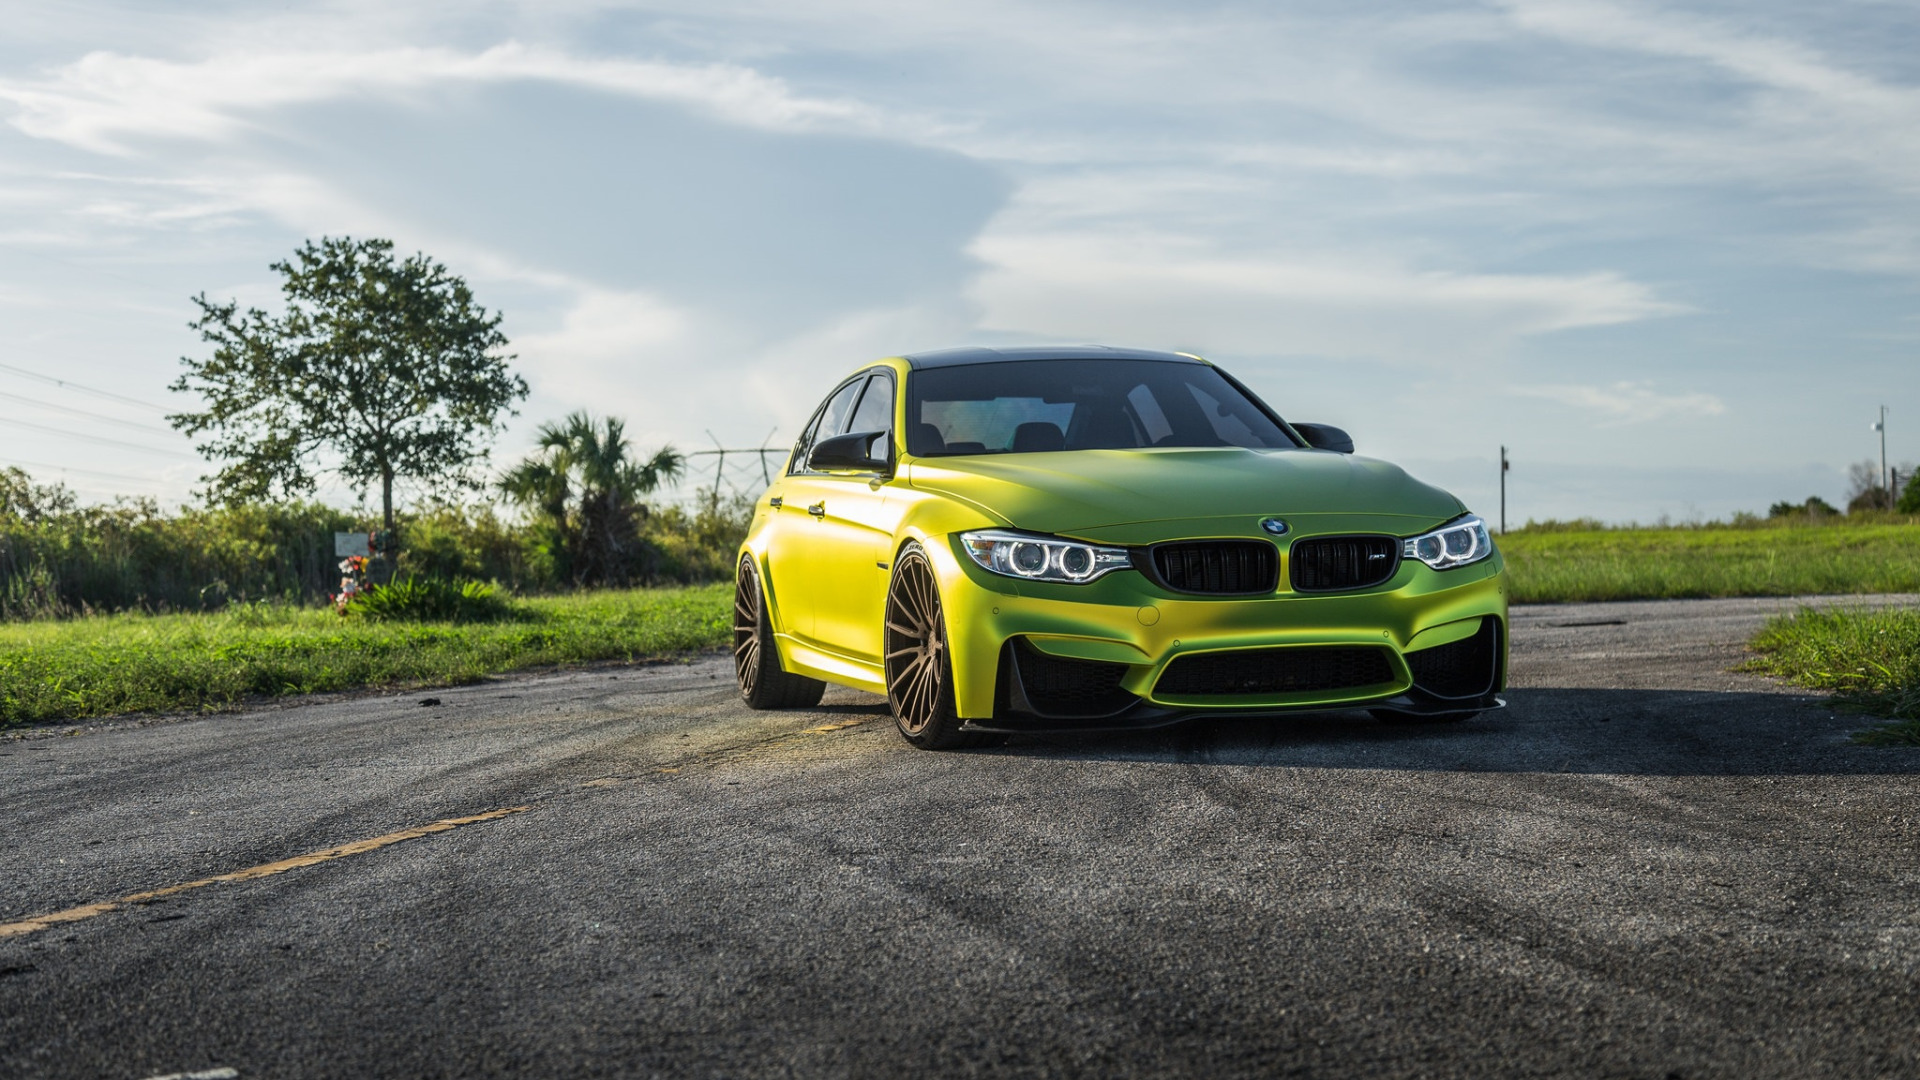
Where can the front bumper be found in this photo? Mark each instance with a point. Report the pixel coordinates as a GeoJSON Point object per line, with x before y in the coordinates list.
{"type": "Point", "coordinates": [1133, 631]}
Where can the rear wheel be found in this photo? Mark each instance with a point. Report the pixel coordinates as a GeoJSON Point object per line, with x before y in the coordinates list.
{"type": "Point", "coordinates": [764, 684]}
{"type": "Point", "coordinates": [919, 667]}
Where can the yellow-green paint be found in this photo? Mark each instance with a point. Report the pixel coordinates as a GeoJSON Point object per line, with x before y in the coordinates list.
{"type": "Point", "coordinates": [826, 574]}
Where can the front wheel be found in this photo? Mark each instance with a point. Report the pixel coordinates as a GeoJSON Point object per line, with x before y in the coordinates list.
{"type": "Point", "coordinates": [764, 684]}
{"type": "Point", "coordinates": [919, 666]}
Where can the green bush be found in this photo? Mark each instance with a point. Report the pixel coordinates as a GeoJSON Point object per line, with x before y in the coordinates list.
{"type": "Point", "coordinates": [412, 599]}
{"type": "Point", "coordinates": [701, 544]}
{"type": "Point", "coordinates": [60, 560]}
{"type": "Point", "coordinates": [132, 556]}
{"type": "Point", "coordinates": [1869, 660]}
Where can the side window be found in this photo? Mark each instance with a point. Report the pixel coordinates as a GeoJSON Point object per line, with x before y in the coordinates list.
{"type": "Point", "coordinates": [828, 422]}
{"type": "Point", "coordinates": [875, 411]}
{"type": "Point", "coordinates": [797, 463]}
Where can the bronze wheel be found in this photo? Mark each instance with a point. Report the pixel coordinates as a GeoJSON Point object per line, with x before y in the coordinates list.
{"type": "Point", "coordinates": [919, 669]}
{"type": "Point", "coordinates": [756, 663]}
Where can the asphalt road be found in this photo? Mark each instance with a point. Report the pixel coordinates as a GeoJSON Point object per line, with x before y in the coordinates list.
{"type": "Point", "coordinates": [1647, 866]}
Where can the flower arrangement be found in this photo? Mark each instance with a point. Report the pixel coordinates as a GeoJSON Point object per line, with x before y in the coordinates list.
{"type": "Point", "coordinates": [353, 581]}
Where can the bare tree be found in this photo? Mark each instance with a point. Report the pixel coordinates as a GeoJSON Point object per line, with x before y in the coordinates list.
{"type": "Point", "coordinates": [1866, 487]}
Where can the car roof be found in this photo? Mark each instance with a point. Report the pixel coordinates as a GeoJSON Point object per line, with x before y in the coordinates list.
{"type": "Point", "coordinates": [980, 354]}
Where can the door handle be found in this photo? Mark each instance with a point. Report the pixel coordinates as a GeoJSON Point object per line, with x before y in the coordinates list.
{"type": "Point", "coordinates": [775, 503]}
{"type": "Point", "coordinates": [818, 509]}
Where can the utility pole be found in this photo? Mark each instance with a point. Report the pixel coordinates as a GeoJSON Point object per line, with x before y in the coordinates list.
{"type": "Point", "coordinates": [1504, 466]}
{"type": "Point", "coordinates": [1885, 480]}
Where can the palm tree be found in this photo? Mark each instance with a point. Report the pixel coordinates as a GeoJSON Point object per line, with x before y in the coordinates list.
{"type": "Point", "coordinates": [586, 488]}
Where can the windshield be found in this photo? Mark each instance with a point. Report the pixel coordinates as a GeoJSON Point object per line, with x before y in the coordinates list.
{"type": "Point", "coordinates": [1032, 406]}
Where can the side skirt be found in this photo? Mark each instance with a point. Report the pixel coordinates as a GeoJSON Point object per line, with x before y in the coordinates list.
{"type": "Point", "coordinates": [815, 662]}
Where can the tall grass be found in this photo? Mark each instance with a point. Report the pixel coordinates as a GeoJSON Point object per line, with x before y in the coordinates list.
{"type": "Point", "coordinates": [132, 555]}
{"type": "Point", "coordinates": [1870, 660]}
{"type": "Point", "coordinates": [101, 666]}
{"type": "Point", "coordinates": [1567, 563]}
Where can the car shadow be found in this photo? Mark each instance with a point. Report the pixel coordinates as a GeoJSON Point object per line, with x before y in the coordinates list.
{"type": "Point", "coordinates": [1630, 732]}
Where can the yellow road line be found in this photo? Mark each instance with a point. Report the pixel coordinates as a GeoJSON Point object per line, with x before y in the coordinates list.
{"type": "Point", "coordinates": [824, 728]}
{"type": "Point", "coordinates": [42, 922]}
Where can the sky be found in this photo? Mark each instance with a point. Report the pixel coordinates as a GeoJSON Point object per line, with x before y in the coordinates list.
{"type": "Point", "coordinates": [1668, 255]}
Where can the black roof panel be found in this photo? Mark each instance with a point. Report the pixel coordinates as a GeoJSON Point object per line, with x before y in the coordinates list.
{"type": "Point", "coordinates": [978, 354]}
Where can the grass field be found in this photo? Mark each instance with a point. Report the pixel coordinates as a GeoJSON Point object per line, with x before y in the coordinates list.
{"type": "Point", "coordinates": [1870, 660]}
{"type": "Point", "coordinates": [105, 665]}
{"type": "Point", "coordinates": [1634, 564]}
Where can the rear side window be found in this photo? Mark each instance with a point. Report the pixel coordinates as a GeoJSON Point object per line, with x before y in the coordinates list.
{"type": "Point", "coordinates": [875, 411]}
{"type": "Point", "coordinates": [829, 420]}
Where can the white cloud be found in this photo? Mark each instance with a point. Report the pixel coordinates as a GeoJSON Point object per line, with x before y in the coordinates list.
{"type": "Point", "coordinates": [1156, 290]}
{"type": "Point", "coordinates": [1809, 115]}
{"type": "Point", "coordinates": [105, 100]}
{"type": "Point", "coordinates": [604, 326]}
{"type": "Point", "coordinates": [1626, 402]}
{"type": "Point", "coordinates": [1774, 63]}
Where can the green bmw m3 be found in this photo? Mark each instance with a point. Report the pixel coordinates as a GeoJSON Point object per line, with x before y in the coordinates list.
{"type": "Point", "coordinates": [1086, 538]}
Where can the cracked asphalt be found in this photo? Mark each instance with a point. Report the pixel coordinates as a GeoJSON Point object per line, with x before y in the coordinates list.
{"type": "Point", "coordinates": [1648, 866]}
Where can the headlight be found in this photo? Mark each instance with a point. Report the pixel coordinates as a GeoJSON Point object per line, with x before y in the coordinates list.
{"type": "Point", "coordinates": [1456, 543]}
{"type": "Point", "coordinates": [1042, 558]}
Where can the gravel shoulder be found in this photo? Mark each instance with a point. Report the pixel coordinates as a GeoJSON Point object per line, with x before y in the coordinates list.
{"type": "Point", "coordinates": [1647, 865]}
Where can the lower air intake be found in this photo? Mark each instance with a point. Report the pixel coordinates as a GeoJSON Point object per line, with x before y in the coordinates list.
{"type": "Point", "coordinates": [1460, 669]}
{"type": "Point", "coordinates": [1302, 669]}
{"type": "Point", "coordinates": [1064, 688]}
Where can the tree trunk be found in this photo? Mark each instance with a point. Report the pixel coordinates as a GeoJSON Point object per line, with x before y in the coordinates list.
{"type": "Point", "coordinates": [389, 560]}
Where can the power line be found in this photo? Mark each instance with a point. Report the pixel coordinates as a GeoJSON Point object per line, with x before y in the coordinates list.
{"type": "Point", "coordinates": [89, 472]}
{"type": "Point", "coordinates": [90, 415]}
{"type": "Point", "coordinates": [85, 266]}
{"type": "Point", "coordinates": [70, 385]}
{"type": "Point", "coordinates": [96, 438]}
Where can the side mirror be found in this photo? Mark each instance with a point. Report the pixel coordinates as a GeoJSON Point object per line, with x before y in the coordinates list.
{"type": "Point", "coordinates": [853, 451]}
{"type": "Point", "coordinates": [1325, 437]}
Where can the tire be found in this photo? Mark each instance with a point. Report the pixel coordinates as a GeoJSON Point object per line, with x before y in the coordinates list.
{"type": "Point", "coordinates": [918, 663]}
{"type": "Point", "coordinates": [1388, 716]}
{"type": "Point", "coordinates": [764, 684]}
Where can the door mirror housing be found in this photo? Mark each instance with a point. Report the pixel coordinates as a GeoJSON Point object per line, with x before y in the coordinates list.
{"type": "Point", "coordinates": [851, 452]}
{"type": "Point", "coordinates": [1325, 437]}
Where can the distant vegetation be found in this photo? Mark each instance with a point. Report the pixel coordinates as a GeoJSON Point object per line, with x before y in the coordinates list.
{"type": "Point", "coordinates": [1870, 660]}
{"type": "Point", "coordinates": [59, 559]}
{"type": "Point", "coordinates": [377, 369]}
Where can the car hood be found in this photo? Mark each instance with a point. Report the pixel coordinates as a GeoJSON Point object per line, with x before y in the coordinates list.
{"type": "Point", "coordinates": [1129, 496]}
